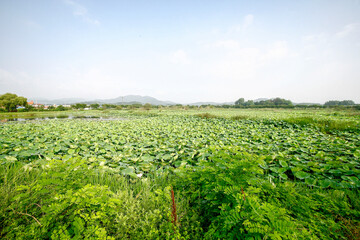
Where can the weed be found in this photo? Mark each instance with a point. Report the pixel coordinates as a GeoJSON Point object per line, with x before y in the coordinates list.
{"type": "Point", "coordinates": [240, 117]}
{"type": "Point", "coordinates": [62, 116]}
{"type": "Point", "coordinates": [206, 115]}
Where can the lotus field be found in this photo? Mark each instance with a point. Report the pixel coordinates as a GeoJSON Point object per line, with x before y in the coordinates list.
{"type": "Point", "coordinates": [182, 174]}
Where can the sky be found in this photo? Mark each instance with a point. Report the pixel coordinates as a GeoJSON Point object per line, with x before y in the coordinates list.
{"type": "Point", "coordinates": [181, 51]}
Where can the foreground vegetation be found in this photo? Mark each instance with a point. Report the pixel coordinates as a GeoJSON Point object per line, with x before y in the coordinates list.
{"type": "Point", "coordinates": [182, 174]}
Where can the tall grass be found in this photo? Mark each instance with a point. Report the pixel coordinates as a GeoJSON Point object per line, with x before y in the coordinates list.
{"type": "Point", "coordinates": [325, 125]}
{"type": "Point", "coordinates": [33, 198]}
{"type": "Point", "coordinates": [206, 115]}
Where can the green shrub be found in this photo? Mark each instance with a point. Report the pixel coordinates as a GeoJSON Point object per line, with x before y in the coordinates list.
{"type": "Point", "coordinates": [236, 200]}
{"type": "Point", "coordinates": [206, 115]}
{"type": "Point", "coordinates": [240, 117]}
{"type": "Point", "coordinates": [325, 125]}
{"type": "Point", "coordinates": [67, 199]}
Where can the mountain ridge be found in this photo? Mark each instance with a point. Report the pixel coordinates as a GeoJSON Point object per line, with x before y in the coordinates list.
{"type": "Point", "coordinates": [128, 99]}
{"type": "Point", "coordinates": [135, 99]}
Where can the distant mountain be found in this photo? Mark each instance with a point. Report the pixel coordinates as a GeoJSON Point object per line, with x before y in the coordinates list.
{"type": "Point", "coordinates": [129, 99]}
{"type": "Point", "coordinates": [134, 98]}
{"type": "Point", "coordinates": [209, 103]}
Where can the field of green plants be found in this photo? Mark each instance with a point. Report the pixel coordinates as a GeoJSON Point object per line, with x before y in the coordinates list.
{"type": "Point", "coordinates": [182, 174]}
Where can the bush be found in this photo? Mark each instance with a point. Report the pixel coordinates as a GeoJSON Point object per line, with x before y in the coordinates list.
{"type": "Point", "coordinates": [237, 201]}
{"type": "Point", "coordinates": [240, 117]}
{"type": "Point", "coordinates": [206, 115]}
{"type": "Point", "coordinates": [63, 199]}
{"type": "Point", "coordinates": [325, 125]}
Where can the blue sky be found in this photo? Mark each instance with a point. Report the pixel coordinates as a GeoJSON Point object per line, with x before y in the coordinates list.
{"type": "Point", "coordinates": [183, 51]}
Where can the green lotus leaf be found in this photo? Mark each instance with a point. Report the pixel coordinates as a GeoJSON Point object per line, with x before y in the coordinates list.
{"type": "Point", "coordinates": [302, 175]}
{"type": "Point", "coordinates": [283, 163]}
{"type": "Point", "coordinates": [71, 151]}
{"type": "Point", "coordinates": [283, 176]}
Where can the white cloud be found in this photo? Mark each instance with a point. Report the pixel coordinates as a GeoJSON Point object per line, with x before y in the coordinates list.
{"type": "Point", "coordinates": [278, 50]}
{"type": "Point", "coordinates": [246, 23]}
{"type": "Point", "coordinates": [229, 44]}
{"type": "Point", "coordinates": [180, 57]}
{"type": "Point", "coordinates": [237, 63]}
{"type": "Point", "coordinates": [81, 11]}
{"type": "Point", "coordinates": [234, 50]}
{"type": "Point", "coordinates": [313, 38]}
{"type": "Point", "coordinates": [248, 20]}
{"type": "Point", "coordinates": [348, 29]}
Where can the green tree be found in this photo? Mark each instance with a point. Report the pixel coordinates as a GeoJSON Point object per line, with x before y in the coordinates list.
{"type": "Point", "coordinates": [249, 103]}
{"type": "Point", "coordinates": [280, 101]}
{"type": "Point", "coordinates": [60, 108]}
{"type": "Point", "coordinates": [79, 106]}
{"type": "Point", "coordinates": [108, 106]}
{"type": "Point", "coordinates": [339, 103]}
{"type": "Point", "coordinates": [95, 105]}
{"type": "Point", "coordinates": [10, 101]}
{"type": "Point", "coordinates": [147, 106]}
{"type": "Point", "coordinates": [240, 101]}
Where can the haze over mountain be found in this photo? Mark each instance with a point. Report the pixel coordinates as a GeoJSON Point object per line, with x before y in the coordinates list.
{"type": "Point", "coordinates": [134, 99]}
{"type": "Point", "coordinates": [128, 99]}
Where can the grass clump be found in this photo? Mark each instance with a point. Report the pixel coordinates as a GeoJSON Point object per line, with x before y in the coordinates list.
{"type": "Point", "coordinates": [325, 125]}
{"type": "Point", "coordinates": [206, 115]}
{"type": "Point", "coordinates": [62, 116]}
{"type": "Point", "coordinates": [61, 199]}
{"type": "Point", "coordinates": [236, 199]}
{"type": "Point", "coordinates": [240, 117]}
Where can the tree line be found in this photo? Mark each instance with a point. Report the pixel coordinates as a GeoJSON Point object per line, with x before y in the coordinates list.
{"type": "Point", "coordinates": [339, 103]}
{"type": "Point", "coordinates": [10, 102]}
{"type": "Point", "coordinates": [270, 102]}
{"type": "Point", "coordinates": [283, 103]}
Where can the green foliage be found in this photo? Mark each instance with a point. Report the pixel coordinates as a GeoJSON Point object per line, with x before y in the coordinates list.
{"type": "Point", "coordinates": [147, 106]}
{"type": "Point", "coordinates": [108, 106]}
{"type": "Point", "coordinates": [79, 105]}
{"type": "Point", "coordinates": [326, 125]}
{"type": "Point", "coordinates": [95, 105]}
{"type": "Point", "coordinates": [142, 146]}
{"type": "Point", "coordinates": [240, 101]}
{"type": "Point", "coordinates": [275, 102]}
{"type": "Point", "coordinates": [60, 108]}
{"type": "Point", "coordinates": [237, 174]}
{"type": "Point", "coordinates": [206, 115]}
{"type": "Point", "coordinates": [10, 101]}
{"type": "Point", "coordinates": [225, 190]}
{"type": "Point", "coordinates": [239, 117]}
{"type": "Point", "coordinates": [67, 199]}
{"type": "Point", "coordinates": [339, 103]}
{"type": "Point", "coordinates": [236, 200]}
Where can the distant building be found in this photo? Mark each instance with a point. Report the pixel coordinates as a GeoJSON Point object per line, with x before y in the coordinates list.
{"type": "Point", "coordinates": [38, 105]}
{"type": "Point", "coordinates": [31, 102]}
